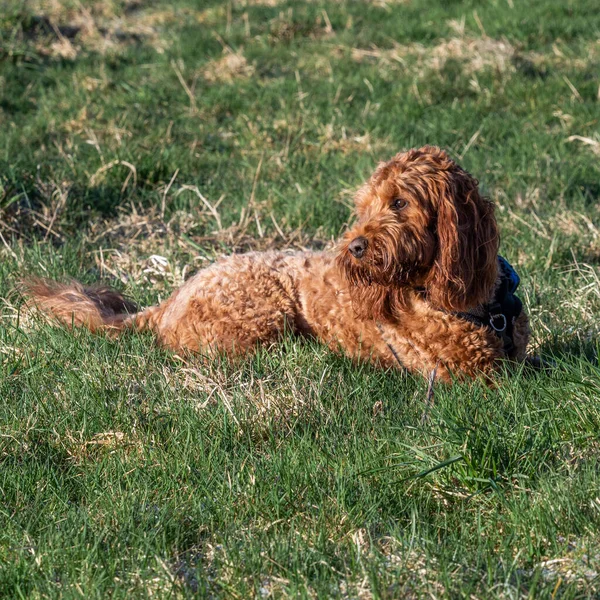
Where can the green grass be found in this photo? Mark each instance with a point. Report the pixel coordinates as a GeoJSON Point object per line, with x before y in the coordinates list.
{"type": "Point", "coordinates": [128, 472]}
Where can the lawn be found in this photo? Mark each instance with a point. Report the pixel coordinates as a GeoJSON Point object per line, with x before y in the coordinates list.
{"type": "Point", "coordinates": [141, 140]}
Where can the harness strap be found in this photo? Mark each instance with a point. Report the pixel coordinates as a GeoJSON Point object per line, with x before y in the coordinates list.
{"type": "Point", "coordinates": [500, 315]}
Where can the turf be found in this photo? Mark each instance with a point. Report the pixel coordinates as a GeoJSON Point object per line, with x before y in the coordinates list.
{"type": "Point", "coordinates": [140, 141]}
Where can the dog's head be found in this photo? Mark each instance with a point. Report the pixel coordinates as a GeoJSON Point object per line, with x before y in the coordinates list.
{"type": "Point", "coordinates": [422, 224]}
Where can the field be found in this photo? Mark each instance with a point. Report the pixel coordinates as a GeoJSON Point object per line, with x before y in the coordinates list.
{"type": "Point", "coordinates": [139, 141]}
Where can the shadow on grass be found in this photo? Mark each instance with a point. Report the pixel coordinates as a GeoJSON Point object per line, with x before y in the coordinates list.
{"type": "Point", "coordinates": [568, 357]}
{"type": "Point", "coordinates": [34, 211]}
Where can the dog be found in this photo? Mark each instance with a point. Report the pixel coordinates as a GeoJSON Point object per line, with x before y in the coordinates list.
{"type": "Point", "coordinates": [416, 283]}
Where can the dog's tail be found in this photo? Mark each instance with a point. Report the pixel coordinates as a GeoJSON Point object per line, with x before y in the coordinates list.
{"type": "Point", "coordinates": [95, 308]}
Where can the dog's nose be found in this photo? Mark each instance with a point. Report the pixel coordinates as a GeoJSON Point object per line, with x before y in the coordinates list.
{"type": "Point", "coordinates": [358, 247]}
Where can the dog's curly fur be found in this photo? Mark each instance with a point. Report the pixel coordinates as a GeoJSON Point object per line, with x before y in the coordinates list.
{"type": "Point", "coordinates": [431, 246]}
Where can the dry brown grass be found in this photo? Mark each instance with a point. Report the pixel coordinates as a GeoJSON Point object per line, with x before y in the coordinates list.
{"type": "Point", "coordinates": [475, 54]}
{"type": "Point", "coordinates": [66, 28]}
{"type": "Point", "coordinates": [563, 57]}
{"type": "Point", "coordinates": [259, 406]}
{"type": "Point", "coordinates": [338, 139]}
{"type": "Point", "coordinates": [145, 249]}
{"type": "Point", "coordinates": [230, 66]}
{"type": "Point", "coordinates": [80, 450]}
{"type": "Point", "coordinates": [284, 28]}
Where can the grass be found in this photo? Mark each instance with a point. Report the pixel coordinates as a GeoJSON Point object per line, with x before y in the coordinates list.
{"type": "Point", "coordinates": [141, 140]}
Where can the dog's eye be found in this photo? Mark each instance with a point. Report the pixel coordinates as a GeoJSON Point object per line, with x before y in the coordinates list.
{"type": "Point", "coordinates": [399, 204]}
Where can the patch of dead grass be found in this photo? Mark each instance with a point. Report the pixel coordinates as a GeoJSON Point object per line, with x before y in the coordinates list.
{"type": "Point", "coordinates": [81, 450]}
{"type": "Point", "coordinates": [591, 143]}
{"type": "Point", "coordinates": [344, 142]}
{"type": "Point", "coordinates": [64, 28]}
{"type": "Point", "coordinates": [562, 57]}
{"type": "Point", "coordinates": [230, 66]}
{"type": "Point", "coordinates": [259, 406]}
{"type": "Point", "coordinates": [77, 448]}
{"type": "Point", "coordinates": [578, 565]}
{"type": "Point", "coordinates": [284, 28]}
{"type": "Point", "coordinates": [143, 248]}
{"type": "Point", "coordinates": [269, 3]}
{"type": "Point", "coordinates": [475, 54]}
{"type": "Point", "coordinates": [408, 571]}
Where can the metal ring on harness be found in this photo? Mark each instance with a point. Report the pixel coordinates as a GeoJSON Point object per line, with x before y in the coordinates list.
{"type": "Point", "coordinates": [493, 325]}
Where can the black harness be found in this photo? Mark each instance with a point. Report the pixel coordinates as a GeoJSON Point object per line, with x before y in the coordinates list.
{"type": "Point", "coordinates": [500, 314]}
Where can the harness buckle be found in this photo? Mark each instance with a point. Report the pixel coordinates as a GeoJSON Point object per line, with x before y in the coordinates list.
{"type": "Point", "coordinates": [503, 322]}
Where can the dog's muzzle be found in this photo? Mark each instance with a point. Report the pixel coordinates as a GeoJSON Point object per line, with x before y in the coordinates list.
{"type": "Point", "coordinates": [358, 246]}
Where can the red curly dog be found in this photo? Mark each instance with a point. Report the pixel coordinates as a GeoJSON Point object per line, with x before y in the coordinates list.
{"type": "Point", "coordinates": [417, 282]}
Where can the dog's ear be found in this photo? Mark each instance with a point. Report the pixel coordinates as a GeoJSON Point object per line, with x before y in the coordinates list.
{"type": "Point", "coordinates": [465, 268]}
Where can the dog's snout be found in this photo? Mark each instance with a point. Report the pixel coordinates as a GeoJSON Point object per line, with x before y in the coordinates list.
{"type": "Point", "coordinates": [358, 246]}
